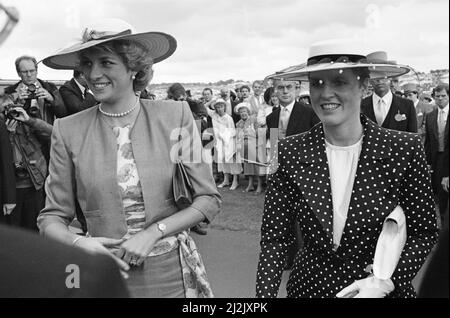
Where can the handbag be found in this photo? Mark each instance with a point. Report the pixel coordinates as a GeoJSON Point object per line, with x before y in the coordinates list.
{"type": "Point", "coordinates": [181, 184]}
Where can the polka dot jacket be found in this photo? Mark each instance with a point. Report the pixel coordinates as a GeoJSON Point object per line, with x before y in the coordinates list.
{"type": "Point", "coordinates": [391, 170]}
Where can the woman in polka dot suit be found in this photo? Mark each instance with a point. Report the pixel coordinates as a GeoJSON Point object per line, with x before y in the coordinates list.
{"type": "Point", "coordinates": [339, 181]}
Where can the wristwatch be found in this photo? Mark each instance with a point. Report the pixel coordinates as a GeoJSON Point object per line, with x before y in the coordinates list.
{"type": "Point", "coordinates": [161, 227]}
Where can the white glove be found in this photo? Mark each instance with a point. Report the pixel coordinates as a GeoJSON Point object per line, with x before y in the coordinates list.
{"type": "Point", "coordinates": [369, 287]}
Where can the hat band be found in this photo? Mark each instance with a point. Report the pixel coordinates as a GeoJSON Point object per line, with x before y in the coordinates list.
{"type": "Point", "coordinates": [90, 35]}
{"type": "Point", "coordinates": [323, 59]}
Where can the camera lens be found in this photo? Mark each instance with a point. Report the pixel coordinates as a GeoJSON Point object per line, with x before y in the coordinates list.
{"type": "Point", "coordinates": [31, 88]}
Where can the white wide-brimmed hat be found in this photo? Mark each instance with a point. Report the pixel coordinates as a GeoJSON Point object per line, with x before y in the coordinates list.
{"type": "Point", "coordinates": [339, 55]}
{"type": "Point", "coordinates": [219, 101]}
{"type": "Point", "coordinates": [160, 45]}
{"type": "Point", "coordinates": [242, 105]}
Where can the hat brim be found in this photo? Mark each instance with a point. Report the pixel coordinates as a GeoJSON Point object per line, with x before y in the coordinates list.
{"type": "Point", "coordinates": [239, 106]}
{"type": "Point", "coordinates": [160, 45]}
{"type": "Point", "coordinates": [376, 70]}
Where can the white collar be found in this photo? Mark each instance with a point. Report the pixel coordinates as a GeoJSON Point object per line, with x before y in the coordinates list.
{"type": "Point", "coordinates": [445, 109]}
{"type": "Point", "coordinates": [289, 107]}
{"type": "Point", "coordinates": [81, 87]}
{"type": "Point", "coordinates": [386, 98]}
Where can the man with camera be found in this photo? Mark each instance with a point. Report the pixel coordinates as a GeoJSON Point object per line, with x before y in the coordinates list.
{"type": "Point", "coordinates": [40, 97]}
{"type": "Point", "coordinates": [28, 136]}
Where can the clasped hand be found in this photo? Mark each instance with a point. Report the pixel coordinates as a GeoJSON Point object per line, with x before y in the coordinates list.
{"type": "Point", "coordinates": [369, 287]}
{"type": "Point", "coordinates": [129, 252]}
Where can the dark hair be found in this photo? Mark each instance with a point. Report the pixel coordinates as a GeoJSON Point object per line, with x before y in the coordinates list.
{"type": "Point", "coordinates": [245, 86]}
{"type": "Point", "coordinates": [440, 87]}
{"type": "Point", "coordinates": [135, 55]}
{"type": "Point", "coordinates": [76, 74]}
{"type": "Point", "coordinates": [25, 58]}
{"type": "Point", "coordinates": [175, 91]}
{"type": "Point", "coordinates": [268, 95]}
{"type": "Point", "coordinates": [208, 89]}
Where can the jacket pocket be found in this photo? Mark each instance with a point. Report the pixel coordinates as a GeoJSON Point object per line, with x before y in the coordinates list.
{"type": "Point", "coordinates": [92, 213]}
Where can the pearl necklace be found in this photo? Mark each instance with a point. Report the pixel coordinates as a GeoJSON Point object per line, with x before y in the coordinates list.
{"type": "Point", "coordinates": [118, 114]}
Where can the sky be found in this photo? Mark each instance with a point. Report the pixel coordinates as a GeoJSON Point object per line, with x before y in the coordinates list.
{"type": "Point", "coordinates": [237, 39]}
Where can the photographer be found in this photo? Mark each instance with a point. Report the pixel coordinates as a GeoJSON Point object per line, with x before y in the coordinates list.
{"type": "Point", "coordinates": [32, 92]}
{"type": "Point", "coordinates": [28, 136]}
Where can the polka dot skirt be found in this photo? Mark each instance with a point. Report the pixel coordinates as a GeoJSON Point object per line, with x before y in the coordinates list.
{"type": "Point", "coordinates": [391, 171]}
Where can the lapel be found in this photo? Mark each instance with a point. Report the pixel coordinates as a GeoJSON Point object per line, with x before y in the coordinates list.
{"type": "Point", "coordinates": [434, 123]}
{"type": "Point", "coordinates": [76, 89]}
{"type": "Point", "coordinates": [294, 120]}
{"type": "Point", "coordinates": [369, 202]}
{"type": "Point", "coordinates": [147, 136]}
{"type": "Point", "coordinates": [369, 110]}
{"type": "Point", "coordinates": [446, 126]}
{"type": "Point", "coordinates": [389, 121]}
{"type": "Point", "coordinates": [276, 118]}
{"type": "Point", "coordinates": [313, 179]}
{"type": "Point", "coordinates": [101, 143]}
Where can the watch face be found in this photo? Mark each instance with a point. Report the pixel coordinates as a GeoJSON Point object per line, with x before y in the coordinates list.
{"type": "Point", "coordinates": [161, 227]}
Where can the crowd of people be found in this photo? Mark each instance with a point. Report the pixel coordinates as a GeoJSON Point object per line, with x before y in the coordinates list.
{"type": "Point", "coordinates": [333, 162]}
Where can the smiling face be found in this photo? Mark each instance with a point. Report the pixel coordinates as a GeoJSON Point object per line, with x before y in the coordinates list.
{"type": "Point", "coordinates": [336, 97]}
{"type": "Point", "coordinates": [106, 75]}
{"type": "Point", "coordinates": [243, 112]}
{"type": "Point", "coordinates": [220, 108]}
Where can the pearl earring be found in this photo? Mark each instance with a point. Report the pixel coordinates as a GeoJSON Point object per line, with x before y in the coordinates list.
{"type": "Point", "coordinates": [133, 77]}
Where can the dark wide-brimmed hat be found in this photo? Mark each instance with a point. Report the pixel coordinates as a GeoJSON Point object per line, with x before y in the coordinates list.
{"type": "Point", "coordinates": [339, 55]}
{"type": "Point", "coordinates": [160, 45]}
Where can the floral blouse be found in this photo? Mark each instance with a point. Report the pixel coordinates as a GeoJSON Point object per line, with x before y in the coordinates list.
{"type": "Point", "coordinates": [128, 181]}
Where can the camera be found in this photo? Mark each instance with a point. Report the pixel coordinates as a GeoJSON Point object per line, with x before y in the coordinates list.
{"type": "Point", "coordinates": [21, 171]}
{"type": "Point", "coordinates": [10, 112]}
{"type": "Point", "coordinates": [31, 90]}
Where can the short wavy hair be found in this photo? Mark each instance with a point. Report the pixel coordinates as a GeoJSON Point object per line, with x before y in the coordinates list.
{"type": "Point", "coordinates": [135, 55]}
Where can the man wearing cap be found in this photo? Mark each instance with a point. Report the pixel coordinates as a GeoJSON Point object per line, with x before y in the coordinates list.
{"type": "Point", "coordinates": [412, 93]}
{"type": "Point", "coordinates": [387, 109]}
{"type": "Point", "coordinates": [436, 138]}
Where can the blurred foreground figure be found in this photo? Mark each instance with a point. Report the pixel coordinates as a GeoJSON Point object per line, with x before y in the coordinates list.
{"type": "Point", "coordinates": [12, 18]}
{"type": "Point", "coordinates": [31, 266]}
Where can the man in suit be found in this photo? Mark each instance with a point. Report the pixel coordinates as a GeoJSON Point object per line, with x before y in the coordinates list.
{"type": "Point", "coordinates": [385, 108]}
{"type": "Point", "coordinates": [7, 179]}
{"type": "Point", "coordinates": [32, 266]}
{"type": "Point", "coordinates": [412, 93]}
{"type": "Point", "coordinates": [289, 119]}
{"type": "Point", "coordinates": [436, 137]}
{"type": "Point", "coordinates": [76, 94]}
{"type": "Point", "coordinates": [292, 117]}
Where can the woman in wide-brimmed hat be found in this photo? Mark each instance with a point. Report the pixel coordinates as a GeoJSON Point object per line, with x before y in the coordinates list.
{"type": "Point", "coordinates": [115, 161]}
{"type": "Point", "coordinates": [339, 181]}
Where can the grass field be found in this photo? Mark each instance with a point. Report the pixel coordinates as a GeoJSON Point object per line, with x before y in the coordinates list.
{"type": "Point", "coordinates": [241, 211]}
